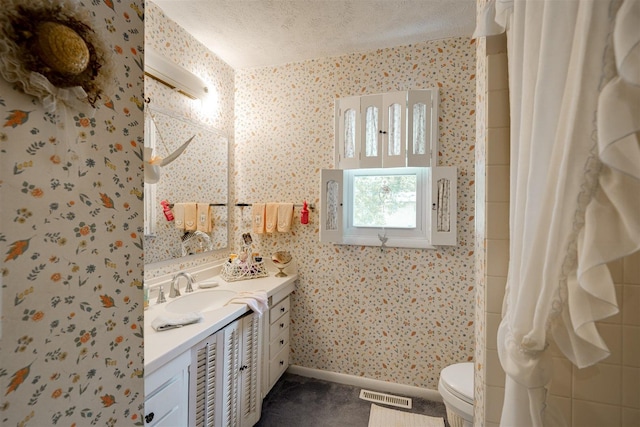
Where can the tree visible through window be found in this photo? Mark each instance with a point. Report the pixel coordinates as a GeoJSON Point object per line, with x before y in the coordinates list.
{"type": "Point", "coordinates": [384, 200]}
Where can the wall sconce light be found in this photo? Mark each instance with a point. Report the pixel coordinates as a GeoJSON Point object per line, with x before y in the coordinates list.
{"type": "Point", "coordinates": [174, 76]}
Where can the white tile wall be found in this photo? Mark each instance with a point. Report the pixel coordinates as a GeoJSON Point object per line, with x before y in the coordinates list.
{"type": "Point", "coordinates": [562, 405]}
{"type": "Point", "coordinates": [591, 414]}
{"type": "Point", "coordinates": [497, 227]}
{"type": "Point", "coordinates": [612, 335]}
{"type": "Point", "coordinates": [495, 374]}
{"type": "Point", "coordinates": [631, 387]}
{"type": "Point", "coordinates": [631, 273]}
{"type": "Point", "coordinates": [495, 290]}
{"type": "Point", "coordinates": [630, 417]}
{"type": "Point", "coordinates": [631, 346]}
{"type": "Point", "coordinates": [600, 383]}
{"type": "Point", "coordinates": [631, 298]}
{"type": "Point", "coordinates": [498, 146]}
{"type": "Point", "coordinates": [497, 257]}
{"type": "Point", "coordinates": [493, 408]}
{"type": "Point", "coordinates": [497, 183]}
{"type": "Point", "coordinates": [562, 377]}
{"type": "Point", "coordinates": [497, 220]}
{"type": "Point", "coordinates": [499, 108]}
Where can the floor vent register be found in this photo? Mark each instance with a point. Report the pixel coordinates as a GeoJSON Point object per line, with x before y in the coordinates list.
{"type": "Point", "coordinates": [387, 399]}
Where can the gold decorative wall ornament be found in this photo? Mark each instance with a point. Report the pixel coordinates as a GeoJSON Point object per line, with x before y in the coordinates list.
{"type": "Point", "coordinates": [49, 49]}
{"type": "Point", "coordinates": [61, 48]}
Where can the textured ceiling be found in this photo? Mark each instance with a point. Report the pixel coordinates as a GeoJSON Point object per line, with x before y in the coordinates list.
{"type": "Point", "coordinates": [256, 33]}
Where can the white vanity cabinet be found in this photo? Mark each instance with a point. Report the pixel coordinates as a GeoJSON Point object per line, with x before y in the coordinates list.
{"type": "Point", "coordinates": [224, 385]}
{"type": "Point", "coordinates": [277, 355]}
{"type": "Point", "coordinates": [167, 399]}
{"type": "Point", "coordinates": [213, 373]}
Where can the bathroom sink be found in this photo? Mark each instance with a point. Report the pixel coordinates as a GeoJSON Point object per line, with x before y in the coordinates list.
{"type": "Point", "coordinates": [200, 301]}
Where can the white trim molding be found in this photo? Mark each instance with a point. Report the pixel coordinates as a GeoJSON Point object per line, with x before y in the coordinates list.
{"type": "Point", "coordinates": [368, 383]}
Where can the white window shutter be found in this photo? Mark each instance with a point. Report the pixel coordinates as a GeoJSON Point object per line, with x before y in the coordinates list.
{"type": "Point", "coordinates": [348, 137]}
{"type": "Point", "coordinates": [331, 205]}
{"type": "Point", "coordinates": [394, 128]}
{"type": "Point", "coordinates": [427, 127]}
{"type": "Point", "coordinates": [444, 205]}
{"type": "Point", "coordinates": [371, 112]}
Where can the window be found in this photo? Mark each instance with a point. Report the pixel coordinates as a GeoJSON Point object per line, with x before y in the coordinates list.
{"type": "Point", "coordinates": [389, 202]}
{"type": "Point", "coordinates": [388, 189]}
{"type": "Point", "coordinates": [384, 199]}
{"type": "Point", "coordinates": [404, 207]}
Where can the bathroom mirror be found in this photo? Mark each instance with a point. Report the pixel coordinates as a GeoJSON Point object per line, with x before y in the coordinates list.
{"type": "Point", "coordinates": [198, 175]}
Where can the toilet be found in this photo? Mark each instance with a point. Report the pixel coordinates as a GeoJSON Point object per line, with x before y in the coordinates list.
{"type": "Point", "coordinates": [456, 388]}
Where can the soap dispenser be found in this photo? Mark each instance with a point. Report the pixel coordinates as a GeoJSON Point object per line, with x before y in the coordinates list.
{"type": "Point", "coordinates": [167, 210]}
{"type": "Point", "coordinates": [304, 213]}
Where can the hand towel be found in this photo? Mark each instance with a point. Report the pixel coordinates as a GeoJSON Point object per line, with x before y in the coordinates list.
{"type": "Point", "coordinates": [178, 215]}
{"type": "Point", "coordinates": [285, 217]}
{"type": "Point", "coordinates": [271, 221]}
{"type": "Point", "coordinates": [257, 301]}
{"type": "Point", "coordinates": [190, 217]}
{"type": "Point", "coordinates": [163, 323]}
{"type": "Point", "coordinates": [211, 219]}
{"type": "Point", "coordinates": [204, 217]}
{"type": "Point", "coordinates": [257, 218]}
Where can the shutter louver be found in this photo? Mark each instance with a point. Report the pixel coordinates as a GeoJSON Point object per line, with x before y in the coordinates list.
{"type": "Point", "coordinates": [232, 366]}
{"type": "Point", "coordinates": [205, 383]}
{"type": "Point", "coordinates": [250, 396]}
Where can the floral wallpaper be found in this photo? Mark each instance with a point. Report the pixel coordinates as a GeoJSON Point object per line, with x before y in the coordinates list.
{"type": "Point", "coordinates": [71, 246]}
{"type": "Point", "coordinates": [400, 315]}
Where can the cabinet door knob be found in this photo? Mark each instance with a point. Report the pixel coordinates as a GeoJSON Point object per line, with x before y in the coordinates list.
{"type": "Point", "coordinates": [281, 362]}
{"type": "Point", "coordinates": [149, 417]}
{"type": "Point", "coordinates": [282, 325]}
{"type": "Point", "coordinates": [282, 309]}
{"type": "Point", "coordinates": [243, 367]}
{"type": "Point", "coordinates": [281, 342]}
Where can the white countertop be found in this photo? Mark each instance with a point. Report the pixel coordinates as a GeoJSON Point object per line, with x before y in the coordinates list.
{"type": "Point", "coordinates": [162, 347]}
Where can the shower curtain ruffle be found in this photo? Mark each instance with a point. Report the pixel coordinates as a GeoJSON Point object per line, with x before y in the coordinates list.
{"type": "Point", "coordinates": [612, 218]}
{"type": "Point", "coordinates": [606, 215]}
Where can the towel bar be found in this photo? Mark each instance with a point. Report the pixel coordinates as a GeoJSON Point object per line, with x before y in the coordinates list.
{"type": "Point", "coordinates": [243, 205]}
{"type": "Point", "coordinates": [210, 204]}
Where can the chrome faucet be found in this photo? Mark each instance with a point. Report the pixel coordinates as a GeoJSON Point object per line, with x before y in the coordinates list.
{"type": "Point", "coordinates": [174, 291]}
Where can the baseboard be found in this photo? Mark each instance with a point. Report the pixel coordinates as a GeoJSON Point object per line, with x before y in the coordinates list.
{"type": "Point", "coordinates": [368, 383]}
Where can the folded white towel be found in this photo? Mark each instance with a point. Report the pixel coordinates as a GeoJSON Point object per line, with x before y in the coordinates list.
{"type": "Point", "coordinates": [163, 323]}
{"type": "Point", "coordinates": [285, 217]}
{"type": "Point", "coordinates": [257, 218]}
{"type": "Point", "coordinates": [178, 215]}
{"type": "Point", "coordinates": [257, 301]}
{"type": "Point", "coordinates": [271, 214]}
{"type": "Point", "coordinates": [190, 217]}
{"type": "Point", "coordinates": [203, 214]}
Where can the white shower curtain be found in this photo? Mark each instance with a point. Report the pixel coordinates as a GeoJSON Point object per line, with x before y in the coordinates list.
{"type": "Point", "coordinates": [574, 81]}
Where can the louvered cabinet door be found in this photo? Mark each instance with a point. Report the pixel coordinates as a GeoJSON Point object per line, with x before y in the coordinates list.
{"type": "Point", "coordinates": [250, 372]}
{"type": "Point", "coordinates": [224, 382]}
{"type": "Point", "coordinates": [204, 383]}
{"type": "Point", "coordinates": [230, 371]}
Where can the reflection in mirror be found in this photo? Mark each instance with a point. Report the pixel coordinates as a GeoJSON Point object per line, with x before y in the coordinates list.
{"type": "Point", "coordinates": [198, 175]}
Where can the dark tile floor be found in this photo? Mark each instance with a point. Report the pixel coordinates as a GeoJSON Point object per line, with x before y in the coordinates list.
{"type": "Point", "coordinates": [297, 401]}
